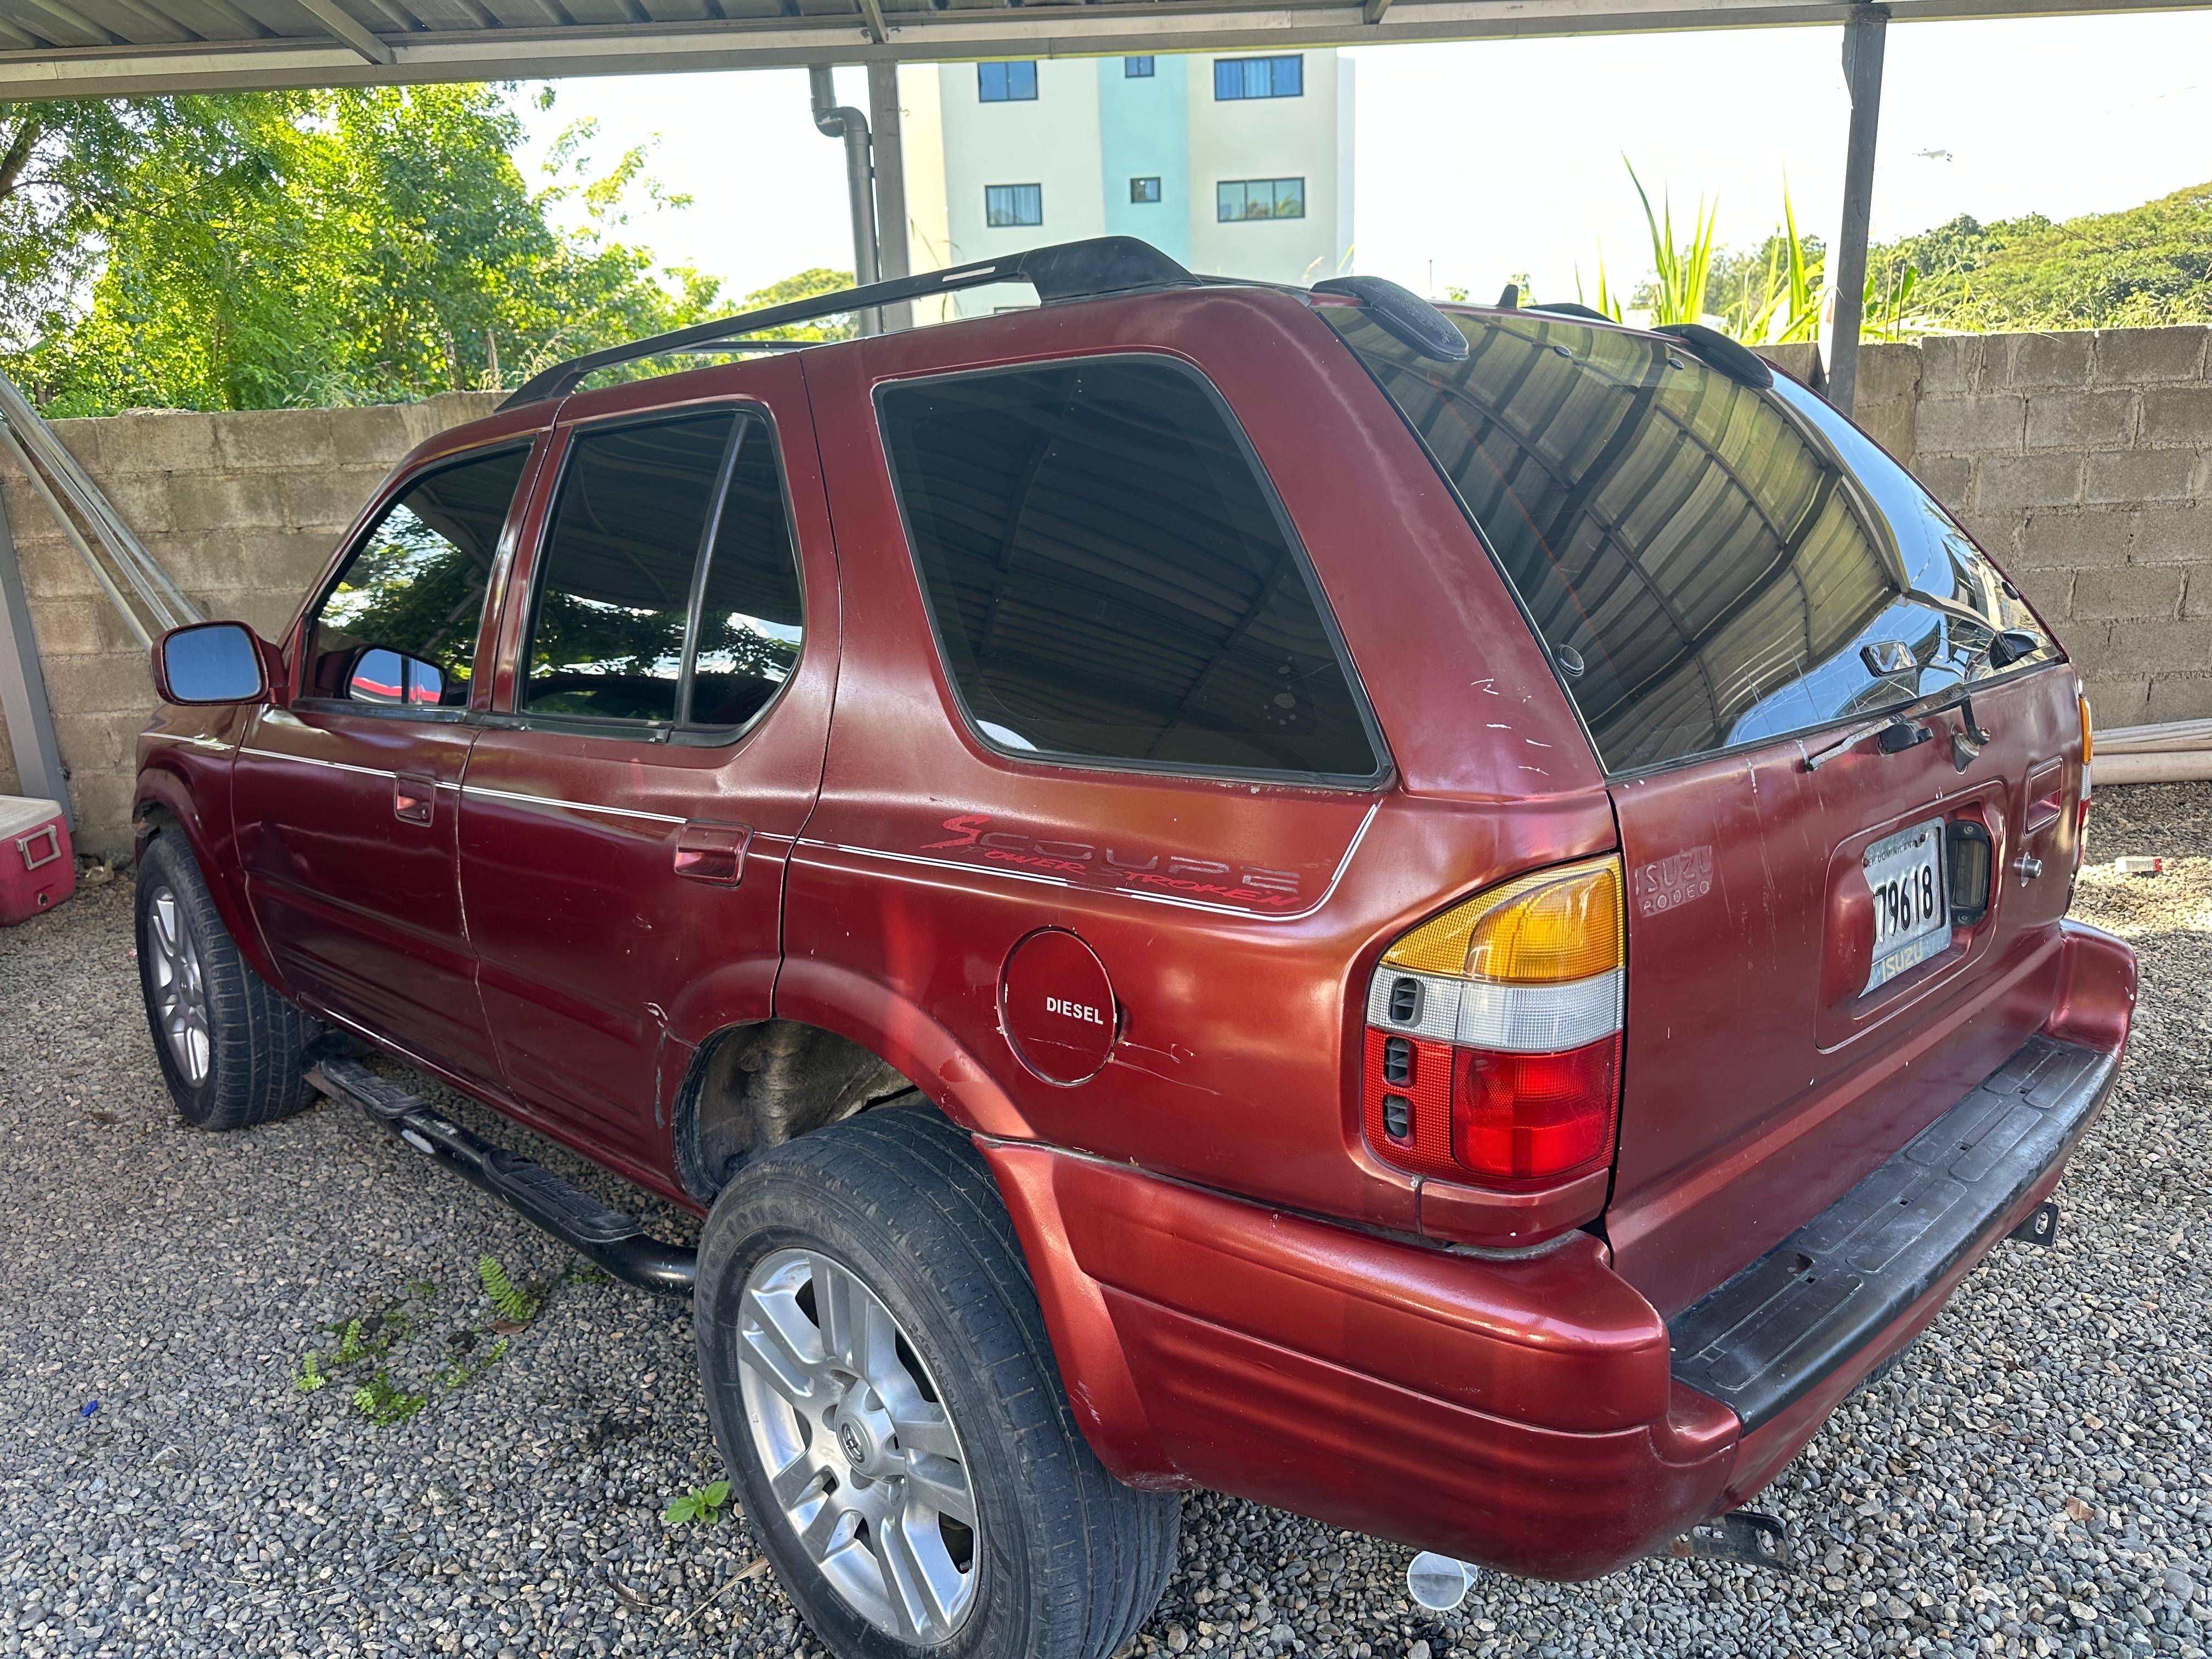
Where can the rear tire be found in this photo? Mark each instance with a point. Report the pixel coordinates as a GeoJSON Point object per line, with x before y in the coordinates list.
{"type": "Point", "coordinates": [856, 1457]}
{"type": "Point", "coordinates": [229, 1047]}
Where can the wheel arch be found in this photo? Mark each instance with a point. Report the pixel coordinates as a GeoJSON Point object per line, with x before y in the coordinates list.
{"type": "Point", "coordinates": [166, 804]}
{"type": "Point", "coordinates": [900, 1031]}
{"type": "Point", "coordinates": [758, 1083]}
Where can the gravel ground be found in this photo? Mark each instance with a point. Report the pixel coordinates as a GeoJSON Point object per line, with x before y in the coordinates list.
{"type": "Point", "coordinates": [2035, 1478]}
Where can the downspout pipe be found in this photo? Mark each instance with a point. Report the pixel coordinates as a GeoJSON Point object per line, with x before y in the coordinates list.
{"type": "Point", "coordinates": [838, 120]}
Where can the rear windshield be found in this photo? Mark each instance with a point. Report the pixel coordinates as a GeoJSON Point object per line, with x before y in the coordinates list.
{"type": "Point", "coordinates": [1712, 565]}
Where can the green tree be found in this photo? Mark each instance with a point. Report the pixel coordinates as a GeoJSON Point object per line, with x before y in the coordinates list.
{"type": "Point", "coordinates": [805, 285]}
{"type": "Point", "coordinates": [2142, 267]}
{"type": "Point", "coordinates": [65, 167]}
{"type": "Point", "coordinates": [293, 248]}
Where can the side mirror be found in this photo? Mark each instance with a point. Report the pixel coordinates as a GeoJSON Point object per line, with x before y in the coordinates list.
{"type": "Point", "coordinates": [210, 662]}
{"type": "Point", "coordinates": [380, 675]}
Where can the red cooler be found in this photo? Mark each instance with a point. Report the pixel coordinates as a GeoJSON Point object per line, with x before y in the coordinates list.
{"type": "Point", "coordinates": [37, 869]}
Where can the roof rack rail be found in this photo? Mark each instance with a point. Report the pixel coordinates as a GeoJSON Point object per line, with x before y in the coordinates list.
{"type": "Point", "coordinates": [1066, 270]}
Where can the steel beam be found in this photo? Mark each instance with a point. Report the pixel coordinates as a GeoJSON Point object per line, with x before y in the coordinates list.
{"type": "Point", "coordinates": [349, 28]}
{"type": "Point", "coordinates": [30, 722]}
{"type": "Point", "coordinates": [1115, 28]}
{"type": "Point", "coordinates": [1864, 36]}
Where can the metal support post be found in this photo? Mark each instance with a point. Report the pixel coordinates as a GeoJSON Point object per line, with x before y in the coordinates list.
{"type": "Point", "coordinates": [891, 258]}
{"type": "Point", "coordinates": [30, 722]}
{"type": "Point", "coordinates": [843, 121]}
{"type": "Point", "coordinates": [1863, 38]}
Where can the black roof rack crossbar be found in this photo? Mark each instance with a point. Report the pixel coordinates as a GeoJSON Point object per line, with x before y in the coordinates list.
{"type": "Point", "coordinates": [1066, 270]}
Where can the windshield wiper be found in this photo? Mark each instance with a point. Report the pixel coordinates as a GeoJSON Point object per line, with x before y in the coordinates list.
{"type": "Point", "coordinates": [1905, 727]}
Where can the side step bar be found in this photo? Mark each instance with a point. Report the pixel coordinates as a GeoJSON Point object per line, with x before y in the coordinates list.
{"type": "Point", "coordinates": [617, 1241]}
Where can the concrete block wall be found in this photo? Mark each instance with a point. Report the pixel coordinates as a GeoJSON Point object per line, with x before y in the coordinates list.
{"type": "Point", "coordinates": [2083, 463]}
{"type": "Point", "coordinates": [244, 510]}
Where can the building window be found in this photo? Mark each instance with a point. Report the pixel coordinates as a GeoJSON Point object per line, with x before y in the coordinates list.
{"type": "Point", "coordinates": [1260, 199]}
{"type": "Point", "coordinates": [1144, 190]}
{"type": "Point", "coordinates": [1006, 205]}
{"type": "Point", "coordinates": [1137, 69]}
{"type": "Point", "coordinates": [1260, 78]}
{"type": "Point", "coordinates": [1006, 83]}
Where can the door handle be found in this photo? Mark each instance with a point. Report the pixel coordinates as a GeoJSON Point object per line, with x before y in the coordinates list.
{"type": "Point", "coordinates": [712, 853]}
{"type": "Point", "coordinates": [414, 800]}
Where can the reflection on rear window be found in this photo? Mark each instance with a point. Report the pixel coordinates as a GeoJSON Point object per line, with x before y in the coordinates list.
{"type": "Point", "coordinates": [1699, 548]}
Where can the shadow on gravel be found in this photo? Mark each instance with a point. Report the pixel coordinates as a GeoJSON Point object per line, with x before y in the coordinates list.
{"type": "Point", "coordinates": [2035, 1478]}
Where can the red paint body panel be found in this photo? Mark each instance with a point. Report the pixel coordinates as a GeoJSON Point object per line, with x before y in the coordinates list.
{"type": "Point", "coordinates": [1718, 1164]}
{"type": "Point", "coordinates": [590, 943]}
{"type": "Point", "coordinates": [1240, 1294]}
{"type": "Point", "coordinates": [1518, 1414]}
{"type": "Point", "coordinates": [930, 856]}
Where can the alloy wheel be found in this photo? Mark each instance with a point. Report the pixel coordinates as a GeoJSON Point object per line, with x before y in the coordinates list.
{"type": "Point", "coordinates": [180, 1000]}
{"type": "Point", "coordinates": [857, 1448]}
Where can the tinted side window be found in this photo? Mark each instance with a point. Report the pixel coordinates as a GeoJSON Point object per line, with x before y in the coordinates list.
{"type": "Point", "coordinates": [1109, 575]}
{"type": "Point", "coordinates": [614, 587]}
{"type": "Point", "coordinates": [750, 617]}
{"type": "Point", "coordinates": [400, 623]}
{"type": "Point", "coordinates": [629, 624]}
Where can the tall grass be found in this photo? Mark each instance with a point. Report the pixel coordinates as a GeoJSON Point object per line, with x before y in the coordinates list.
{"type": "Point", "coordinates": [1681, 273]}
{"type": "Point", "coordinates": [1790, 301]}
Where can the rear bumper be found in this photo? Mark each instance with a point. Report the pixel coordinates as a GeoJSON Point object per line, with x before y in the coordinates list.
{"type": "Point", "coordinates": [1767, 1338]}
{"type": "Point", "coordinates": [1531, 1412]}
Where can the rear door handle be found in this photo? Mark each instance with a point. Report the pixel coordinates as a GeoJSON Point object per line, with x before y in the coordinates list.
{"type": "Point", "coordinates": [712, 853]}
{"type": "Point", "coordinates": [414, 800]}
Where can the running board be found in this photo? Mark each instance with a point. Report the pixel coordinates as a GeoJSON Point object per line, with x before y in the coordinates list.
{"type": "Point", "coordinates": [617, 1241]}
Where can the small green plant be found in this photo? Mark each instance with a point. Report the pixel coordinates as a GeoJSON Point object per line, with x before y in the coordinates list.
{"type": "Point", "coordinates": [700, 1504]}
{"type": "Point", "coordinates": [458, 1372]}
{"type": "Point", "coordinates": [383, 1404]}
{"type": "Point", "coordinates": [515, 1302]}
{"type": "Point", "coordinates": [309, 1378]}
{"type": "Point", "coordinates": [583, 1272]}
{"type": "Point", "coordinates": [351, 1347]}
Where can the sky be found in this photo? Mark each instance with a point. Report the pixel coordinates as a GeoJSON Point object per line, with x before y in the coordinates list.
{"type": "Point", "coordinates": [1479, 161]}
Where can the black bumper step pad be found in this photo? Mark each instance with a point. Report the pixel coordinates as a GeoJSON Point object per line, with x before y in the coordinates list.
{"type": "Point", "coordinates": [1800, 1312]}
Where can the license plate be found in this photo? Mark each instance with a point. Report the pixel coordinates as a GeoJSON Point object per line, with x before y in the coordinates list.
{"type": "Point", "coordinates": [1910, 923]}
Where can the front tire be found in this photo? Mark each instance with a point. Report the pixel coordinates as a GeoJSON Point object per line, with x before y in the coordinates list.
{"type": "Point", "coordinates": [229, 1047]}
{"type": "Point", "coordinates": [882, 1386]}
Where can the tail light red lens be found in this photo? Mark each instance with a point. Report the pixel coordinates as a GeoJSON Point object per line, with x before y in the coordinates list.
{"type": "Point", "coordinates": [1519, 1120]}
{"type": "Point", "coordinates": [1493, 1033]}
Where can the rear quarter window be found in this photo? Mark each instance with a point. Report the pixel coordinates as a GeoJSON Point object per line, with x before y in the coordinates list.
{"type": "Point", "coordinates": [1111, 580]}
{"type": "Point", "coordinates": [1711, 564]}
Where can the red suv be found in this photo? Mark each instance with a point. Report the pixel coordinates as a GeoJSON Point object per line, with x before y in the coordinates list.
{"type": "Point", "coordinates": [1449, 919]}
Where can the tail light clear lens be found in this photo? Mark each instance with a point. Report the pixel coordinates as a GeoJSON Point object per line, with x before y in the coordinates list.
{"type": "Point", "coordinates": [1493, 1033]}
{"type": "Point", "coordinates": [2089, 751]}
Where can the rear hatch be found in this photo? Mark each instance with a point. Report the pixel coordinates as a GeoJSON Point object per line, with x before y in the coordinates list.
{"type": "Point", "coordinates": [1838, 742]}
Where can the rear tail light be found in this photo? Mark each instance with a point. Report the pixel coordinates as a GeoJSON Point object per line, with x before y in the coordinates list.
{"type": "Point", "coordinates": [1493, 1033]}
{"type": "Point", "coordinates": [2088, 749]}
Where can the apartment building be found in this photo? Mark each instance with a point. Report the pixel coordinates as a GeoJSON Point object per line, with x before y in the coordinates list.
{"type": "Point", "coordinates": [1239, 165]}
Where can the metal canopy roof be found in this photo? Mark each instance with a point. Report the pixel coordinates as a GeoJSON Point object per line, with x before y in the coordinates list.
{"type": "Point", "coordinates": [107, 48]}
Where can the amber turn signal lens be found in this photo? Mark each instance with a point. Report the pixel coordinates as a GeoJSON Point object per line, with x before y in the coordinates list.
{"type": "Point", "coordinates": [1541, 929]}
{"type": "Point", "coordinates": [2088, 742]}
